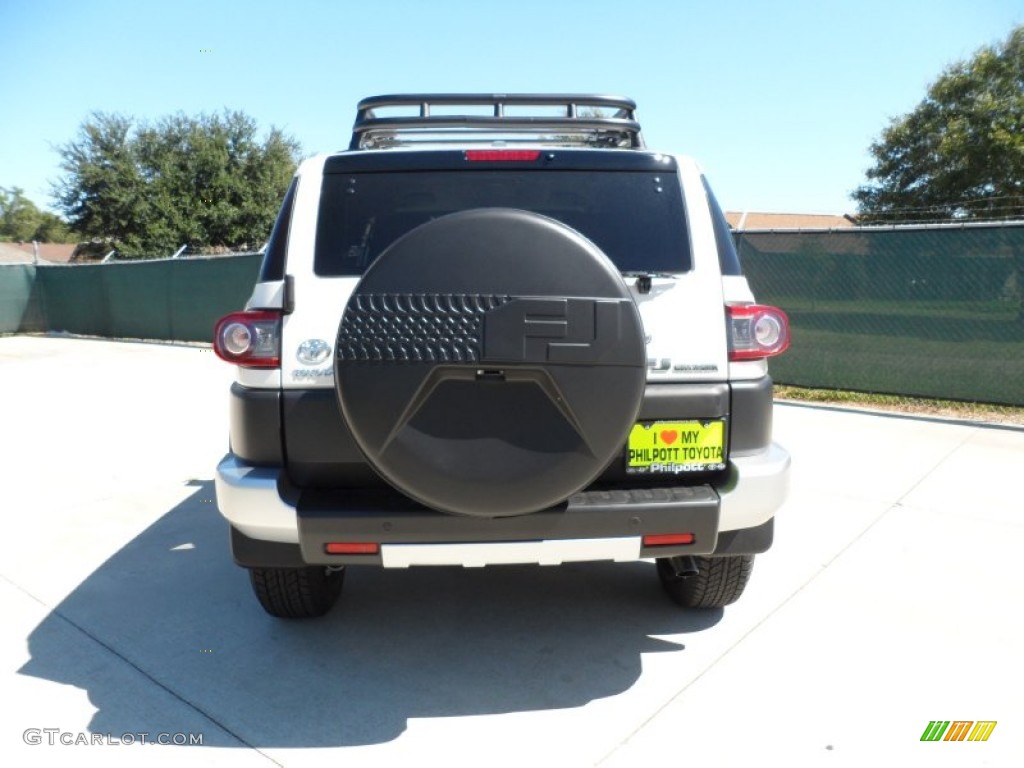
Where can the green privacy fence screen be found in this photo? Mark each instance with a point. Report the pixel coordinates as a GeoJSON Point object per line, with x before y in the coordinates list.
{"type": "Point", "coordinates": [18, 307]}
{"type": "Point", "coordinates": [934, 311]}
{"type": "Point", "coordinates": [169, 299]}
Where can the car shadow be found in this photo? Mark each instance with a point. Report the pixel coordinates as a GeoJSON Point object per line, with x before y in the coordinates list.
{"type": "Point", "coordinates": [420, 643]}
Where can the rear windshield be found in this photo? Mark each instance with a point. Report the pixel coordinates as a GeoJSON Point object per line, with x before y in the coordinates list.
{"type": "Point", "coordinates": [635, 217]}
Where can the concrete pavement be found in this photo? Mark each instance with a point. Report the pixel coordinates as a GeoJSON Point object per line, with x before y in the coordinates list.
{"type": "Point", "coordinates": [890, 599]}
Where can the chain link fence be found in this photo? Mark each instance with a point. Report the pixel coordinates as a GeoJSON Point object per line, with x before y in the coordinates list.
{"type": "Point", "coordinates": [933, 311]}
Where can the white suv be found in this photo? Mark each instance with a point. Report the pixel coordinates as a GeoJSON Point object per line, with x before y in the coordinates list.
{"type": "Point", "coordinates": [497, 329]}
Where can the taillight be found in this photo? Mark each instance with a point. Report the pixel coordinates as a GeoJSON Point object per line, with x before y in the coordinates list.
{"type": "Point", "coordinates": [501, 155]}
{"type": "Point", "coordinates": [757, 331]}
{"type": "Point", "coordinates": [249, 339]}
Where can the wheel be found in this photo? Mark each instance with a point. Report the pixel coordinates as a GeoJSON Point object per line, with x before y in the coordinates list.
{"type": "Point", "coordinates": [719, 581]}
{"type": "Point", "coordinates": [490, 363]}
{"type": "Point", "coordinates": [296, 593]}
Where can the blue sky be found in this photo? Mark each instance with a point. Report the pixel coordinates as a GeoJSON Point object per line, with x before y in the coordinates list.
{"type": "Point", "coordinates": [778, 101]}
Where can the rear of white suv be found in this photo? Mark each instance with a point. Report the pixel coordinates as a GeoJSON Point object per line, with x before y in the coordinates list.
{"type": "Point", "coordinates": [507, 351]}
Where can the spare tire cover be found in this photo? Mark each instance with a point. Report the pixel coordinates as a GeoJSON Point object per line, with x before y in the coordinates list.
{"type": "Point", "coordinates": [490, 362]}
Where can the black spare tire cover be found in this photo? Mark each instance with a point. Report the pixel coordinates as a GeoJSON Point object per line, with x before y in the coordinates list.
{"type": "Point", "coordinates": [490, 363]}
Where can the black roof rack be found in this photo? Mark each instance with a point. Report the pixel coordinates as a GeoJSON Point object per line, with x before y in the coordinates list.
{"type": "Point", "coordinates": [549, 119]}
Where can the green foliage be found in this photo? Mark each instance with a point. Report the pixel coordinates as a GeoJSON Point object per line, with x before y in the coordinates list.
{"type": "Point", "coordinates": [52, 229]}
{"type": "Point", "coordinates": [960, 153]}
{"type": "Point", "coordinates": [204, 181]}
{"type": "Point", "coordinates": [22, 221]}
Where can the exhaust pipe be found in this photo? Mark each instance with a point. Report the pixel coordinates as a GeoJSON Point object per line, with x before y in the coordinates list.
{"type": "Point", "coordinates": [684, 566]}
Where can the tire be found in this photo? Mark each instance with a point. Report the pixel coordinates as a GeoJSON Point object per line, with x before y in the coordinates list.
{"type": "Point", "coordinates": [719, 581]}
{"type": "Point", "coordinates": [490, 363]}
{"type": "Point", "coordinates": [296, 593]}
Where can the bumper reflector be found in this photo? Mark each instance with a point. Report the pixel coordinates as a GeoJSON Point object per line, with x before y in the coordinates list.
{"type": "Point", "coordinates": [668, 539]}
{"type": "Point", "coordinates": [351, 548]}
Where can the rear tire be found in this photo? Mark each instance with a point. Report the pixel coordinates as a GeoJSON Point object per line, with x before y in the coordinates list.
{"type": "Point", "coordinates": [719, 581]}
{"type": "Point", "coordinates": [296, 593]}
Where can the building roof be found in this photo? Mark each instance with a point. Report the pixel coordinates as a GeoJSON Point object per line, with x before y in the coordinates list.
{"type": "Point", "coordinates": [22, 253]}
{"type": "Point", "coordinates": [743, 220]}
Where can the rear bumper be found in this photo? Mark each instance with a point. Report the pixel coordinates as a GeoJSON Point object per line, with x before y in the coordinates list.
{"type": "Point", "coordinates": [248, 498]}
{"type": "Point", "coordinates": [274, 525]}
{"type": "Point", "coordinates": [757, 486]}
{"type": "Point", "coordinates": [275, 522]}
{"type": "Point", "coordinates": [594, 525]}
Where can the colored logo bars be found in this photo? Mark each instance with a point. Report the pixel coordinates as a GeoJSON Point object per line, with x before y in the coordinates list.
{"type": "Point", "coordinates": [958, 730]}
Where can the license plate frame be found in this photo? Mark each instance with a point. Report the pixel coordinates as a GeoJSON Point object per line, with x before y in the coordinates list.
{"type": "Point", "coordinates": [674, 447]}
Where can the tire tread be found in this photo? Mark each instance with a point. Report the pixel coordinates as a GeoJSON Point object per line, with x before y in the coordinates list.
{"type": "Point", "coordinates": [296, 593]}
{"type": "Point", "coordinates": [719, 581]}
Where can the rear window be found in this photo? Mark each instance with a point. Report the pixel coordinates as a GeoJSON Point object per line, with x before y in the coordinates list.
{"type": "Point", "coordinates": [728, 259]}
{"type": "Point", "coordinates": [636, 218]}
{"type": "Point", "coordinates": [272, 267]}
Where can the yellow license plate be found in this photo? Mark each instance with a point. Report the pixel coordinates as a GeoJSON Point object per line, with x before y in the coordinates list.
{"type": "Point", "coordinates": [676, 446]}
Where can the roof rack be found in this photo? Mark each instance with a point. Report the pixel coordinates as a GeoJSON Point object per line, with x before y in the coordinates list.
{"type": "Point", "coordinates": [496, 119]}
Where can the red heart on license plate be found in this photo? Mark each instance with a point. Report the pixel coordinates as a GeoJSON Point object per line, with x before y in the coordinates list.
{"type": "Point", "coordinates": [669, 436]}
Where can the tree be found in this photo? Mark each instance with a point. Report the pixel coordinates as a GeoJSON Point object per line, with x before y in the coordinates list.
{"type": "Point", "coordinates": [960, 153]}
{"type": "Point", "coordinates": [204, 181]}
{"type": "Point", "coordinates": [22, 221]}
{"type": "Point", "coordinates": [52, 229]}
